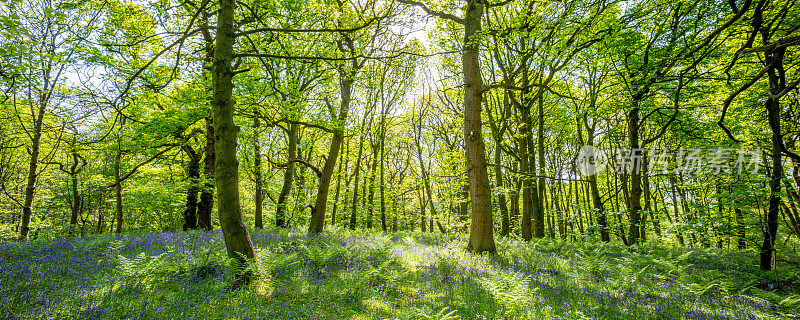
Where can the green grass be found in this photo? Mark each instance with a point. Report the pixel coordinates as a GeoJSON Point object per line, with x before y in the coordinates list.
{"type": "Point", "coordinates": [364, 275]}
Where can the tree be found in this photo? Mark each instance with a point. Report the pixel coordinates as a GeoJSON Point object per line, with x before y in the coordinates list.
{"type": "Point", "coordinates": [226, 167]}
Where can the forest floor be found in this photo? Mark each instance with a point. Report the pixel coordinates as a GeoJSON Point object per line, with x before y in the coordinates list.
{"type": "Point", "coordinates": [361, 275]}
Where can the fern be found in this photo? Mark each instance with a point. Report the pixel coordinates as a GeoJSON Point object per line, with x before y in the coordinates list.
{"type": "Point", "coordinates": [443, 314]}
{"type": "Point", "coordinates": [790, 302]}
{"type": "Point", "coordinates": [509, 291]}
{"type": "Point", "coordinates": [142, 271]}
{"type": "Point", "coordinates": [277, 265]}
{"type": "Point", "coordinates": [321, 256]}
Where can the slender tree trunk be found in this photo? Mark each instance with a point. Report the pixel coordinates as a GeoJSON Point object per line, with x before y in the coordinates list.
{"type": "Point", "coordinates": [514, 216]}
{"type": "Point", "coordinates": [635, 195]}
{"type": "Point", "coordinates": [539, 212]}
{"type": "Point", "coordinates": [318, 211]}
{"type": "Point", "coordinates": [527, 191]}
{"type": "Point", "coordinates": [422, 205]}
{"type": "Point", "coordinates": [339, 183]}
{"type": "Point", "coordinates": [741, 244]}
{"type": "Point", "coordinates": [501, 196]}
{"type": "Point", "coordinates": [579, 206]}
{"type": "Point", "coordinates": [193, 170]}
{"type": "Point", "coordinates": [687, 213]}
{"type": "Point", "coordinates": [259, 180]}
{"type": "Point", "coordinates": [618, 209]}
{"type": "Point", "coordinates": [77, 202]}
{"type": "Point", "coordinates": [656, 212]}
{"type": "Point", "coordinates": [33, 167]}
{"type": "Point", "coordinates": [497, 134]}
{"type": "Point", "coordinates": [356, 173]}
{"type": "Point", "coordinates": [207, 194]}
{"type": "Point", "coordinates": [599, 208]}
{"type": "Point", "coordinates": [775, 62]}
{"type": "Point", "coordinates": [372, 174]}
{"type": "Point", "coordinates": [428, 191]}
{"type": "Point", "coordinates": [288, 176]}
{"type": "Point", "coordinates": [394, 213]}
{"type": "Point", "coordinates": [236, 236]}
{"type": "Point", "coordinates": [382, 170]}
{"type": "Point", "coordinates": [118, 188]}
{"type": "Point", "coordinates": [647, 196]}
{"type": "Point", "coordinates": [675, 205]}
{"type": "Point", "coordinates": [99, 228]}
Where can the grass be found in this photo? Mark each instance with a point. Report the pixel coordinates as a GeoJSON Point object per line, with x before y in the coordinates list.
{"type": "Point", "coordinates": [364, 275]}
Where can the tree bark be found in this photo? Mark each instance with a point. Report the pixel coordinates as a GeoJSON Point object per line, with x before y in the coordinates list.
{"type": "Point", "coordinates": [774, 61]}
{"type": "Point", "coordinates": [635, 194]}
{"type": "Point", "coordinates": [371, 197]}
{"type": "Point", "coordinates": [339, 184]}
{"type": "Point", "coordinates": [77, 203]}
{"type": "Point", "coordinates": [599, 208]}
{"type": "Point", "coordinates": [119, 217]}
{"type": "Point", "coordinates": [33, 166]}
{"type": "Point", "coordinates": [318, 210]}
{"type": "Point", "coordinates": [481, 235]}
{"type": "Point", "coordinates": [539, 212]}
{"type": "Point", "coordinates": [207, 194]}
{"type": "Point", "coordinates": [356, 172]}
{"type": "Point", "coordinates": [288, 176]}
{"type": "Point", "coordinates": [259, 180]}
{"type": "Point", "coordinates": [382, 172]}
{"type": "Point", "coordinates": [234, 231]}
{"type": "Point", "coordinates": [676, 207]}
{"type": "Point", "coordinates": [193, 172]}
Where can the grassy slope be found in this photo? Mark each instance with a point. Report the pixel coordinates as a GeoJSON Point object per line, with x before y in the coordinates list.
{"type": "Point", "coordinates": [344, 275]}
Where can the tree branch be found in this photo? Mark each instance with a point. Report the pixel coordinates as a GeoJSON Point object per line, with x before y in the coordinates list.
{"type": "Point", "coordinates": [432, 12]}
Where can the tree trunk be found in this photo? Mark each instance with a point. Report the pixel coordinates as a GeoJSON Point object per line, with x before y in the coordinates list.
{"type": "Point", "coordinates": [538, 211]}
{"type": "Point", "coordinates": [237, 238]}
{"type": "Point", "coordinates": [339, 184]}
{"type": "Point", "coordinates": [76, 197]}
{"type": "Point", "coordinates": [497, 135]}
{"type": "Point", "coordinates": [33, 166]}
{"type": "Point", "coordinates": [382, 174]}
{"type": "Point", "coordinates": [207, 194]}
{"type": "Point", "coordinates": [617, 211]}
{"type": "Point", "coordinates": [675, 205]}
{"type": "Point", "coordinates": [119, 217]}
{"type": "Point", "coordinates": [647, 196]}
{"type": "Point", "coordinates": [774, 61]}
{"type": "Point", "coordinates": [422, 206]}
{"type": "Point", "coordinates": [527, 191]}
{"type": "Point", "coordinates": [288, 176]}
{"type": "Point", "coordinates": [635, 195]}
{"type": "Point", "coordinates": [193, 171]}
{"type": "Point", "coordinates": [394, 213]}
{"type": "Point", "coordinates": [501, 196]}
{"type": "Point", "coordinates": [356, 172]}
{"type": "Point", "coordinates": [514, 215]}
{"type": "Point", "coordinates": [481, 235]}
{"type": "Point", "coordinates": [259, 181]}
{"type": "Point", "coordinates": [318, 210]}
{"type": "Point", "coordinates": [372, 174]}
{"type": "Point", "coordinates": [426, 181]}
{"type": "Point", "coordinates": [599, 208]}
{"type": "Point", "coordinates": [741, 244]}
{"type": "Point", "coordinates": [99, 228]}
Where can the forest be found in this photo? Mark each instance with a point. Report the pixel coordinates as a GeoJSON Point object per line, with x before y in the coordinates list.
{"type": "Point", "coordinates": [399, 159]}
